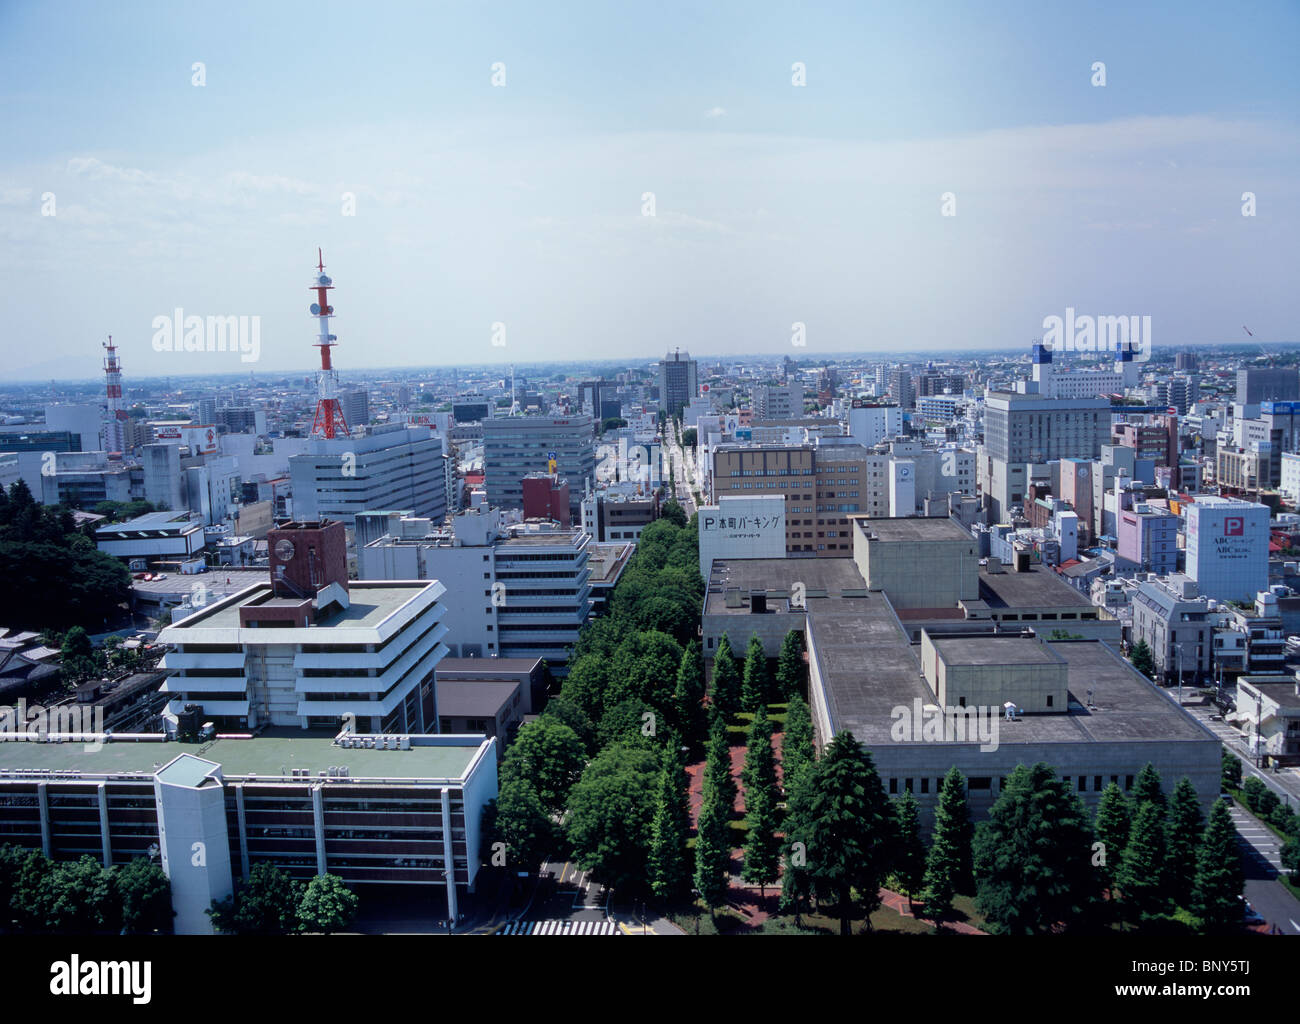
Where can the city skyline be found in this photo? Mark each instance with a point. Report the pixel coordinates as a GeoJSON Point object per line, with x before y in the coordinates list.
{"type": "Point", "coordinates": [467, 222]}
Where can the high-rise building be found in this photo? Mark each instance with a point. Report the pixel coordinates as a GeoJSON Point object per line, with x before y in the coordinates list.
{"type": "Point", "coordinates": [677, 382]}
{"type": "Point", "coordinates": [395, 467]}
{"type": "Point", "coordinates": [516, 446]}
{"type": "Point", "coordinates": [471, 408]}
{"type": "Point", "coordinates": [307, 648]}
{"type": "Point", "coordinates": [1267, 384]}
{"type": "Point", "coordinates": [1022, 430]}
{"type": "Point", "coordinates": [356, 406]}
{"type": "Point", "coordinates": [1227, 547]}
{"type": "Point", "coordinates": [901, 388]}
{"type": "Point", "coordinates": [520, 590]}
{"type": "Point", "coordinates": [778, 402]}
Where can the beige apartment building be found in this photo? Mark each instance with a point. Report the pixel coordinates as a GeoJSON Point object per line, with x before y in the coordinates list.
{"type": "Point", "coordinates": [823, 485]}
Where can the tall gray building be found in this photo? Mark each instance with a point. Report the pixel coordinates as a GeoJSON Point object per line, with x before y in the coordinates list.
{"type": "Point", "coordinates": [395, 467]}
{"type": "Point", "coordinates": [356, 406]}
{"type": "Point", "coordinates": [1267, 384]}
{"type": "Point", "coordinates": [778, 402]}
{"type": "Point", "coordinates": [677, 382]}
{"type": "Point", "coordinates": [1022, 430]}
{"type": "Point", "coordinates": [514, 446]}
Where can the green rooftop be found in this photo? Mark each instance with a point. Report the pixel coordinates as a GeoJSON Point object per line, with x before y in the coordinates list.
{"type": "Point", "coordinates": [263, 755]}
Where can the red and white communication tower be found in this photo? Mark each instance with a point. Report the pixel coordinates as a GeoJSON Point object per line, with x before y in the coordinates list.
{"type": "Point", "coordinates": [115, 423]}
{"type": "Point", "coordinates": [329, 420]}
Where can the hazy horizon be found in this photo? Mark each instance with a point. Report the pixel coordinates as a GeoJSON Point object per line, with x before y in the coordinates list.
{"type": "Point", "coordinates": [523, 204]}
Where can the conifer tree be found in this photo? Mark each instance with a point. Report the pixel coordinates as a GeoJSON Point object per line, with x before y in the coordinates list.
{"type": "Point", "coordinates": [797, 749]}
{"type": "Point", "coordinates": [762, 845]}
{"type": "Point", "coordinates": [1148, 787]}
{"type": "Point", "coordinates": [756, 685]}
{"type": "Point", "coordinates": [726, 680]}
{"type": "Point", "coordinates": [1112, 825]}
{"type": "Point", "coordinates": [1220, 878]}
{"type": "Point", "coordinates": [1186, 827]}
{"type": "Point", "coordinates": [1142, 873]}
{"type": "Point", "coordinates": [668, 832]}
{"type": "Point", "coordinates": [713, 832]}
{"type": "Point", "coordinates": [790, 670]}
{"type": "Point", "coordinates": [909, 860]}
{"type": "Point", "coordinates": [948, 868]}
{"type": "Point", "coordinates": [688, 696]}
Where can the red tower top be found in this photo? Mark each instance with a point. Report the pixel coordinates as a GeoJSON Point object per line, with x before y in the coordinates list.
{"type": "Point", "coordinates": [329, 421]}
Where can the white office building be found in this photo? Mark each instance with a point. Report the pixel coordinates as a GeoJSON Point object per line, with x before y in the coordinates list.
{"type": "Point", "coordinates": [1227, 547]}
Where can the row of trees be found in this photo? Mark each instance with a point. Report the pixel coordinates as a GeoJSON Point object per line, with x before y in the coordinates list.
{"type": "Point", "coordinates": [584, 778]}
{"type": "Point", "coordinates": [272, 902]}
{"type": "Point", "coordinates": [81, 896]}
{"type": "Point", "coordinates": [1266, 805]}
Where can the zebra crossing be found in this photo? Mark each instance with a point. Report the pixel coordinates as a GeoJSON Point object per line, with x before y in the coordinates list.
{"type": "Point", "coordinates": [557, 927]}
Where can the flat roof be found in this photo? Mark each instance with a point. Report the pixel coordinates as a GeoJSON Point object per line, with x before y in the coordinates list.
{"type": "Point", "coordinates": [869, 668]}
{"type": "Point", "coordinates": [485, 668]}
{"type": "Point", "coordinates": [994, 650]}
{"type": "Point", "coordinates": [474, 698]}
{"type": "Point", "coordinates": [1037, 587]}
{"type": "Point", "coordinates": [911, 528]}
{"type": "Point", "coordinates": [152, 521]}
{"type": "Point", "coordinates": [261, 755]}
{"type": "Point", "coordinates": [830, 575]}
{"type": "Point", "coordinates": [369, 605]}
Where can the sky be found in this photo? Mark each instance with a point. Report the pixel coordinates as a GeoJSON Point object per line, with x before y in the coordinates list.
{"type": "Point", "coordinates": [639, 178]}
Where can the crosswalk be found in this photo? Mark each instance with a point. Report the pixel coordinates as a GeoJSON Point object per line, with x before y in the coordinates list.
{"type": "Point", "coordinates": [556, 927]}
{"type": "Point", "coordinates": [1261, 844]}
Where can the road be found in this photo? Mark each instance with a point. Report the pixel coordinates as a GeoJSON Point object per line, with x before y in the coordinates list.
{"type": "Point", "coordinates": [684, 472]}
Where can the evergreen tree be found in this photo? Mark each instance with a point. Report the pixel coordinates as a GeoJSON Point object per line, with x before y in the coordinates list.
{"type": "Point", "coordinates": [668, 831]}
{"type": "Point", "coordinates": [796, 880]}
{"type": "Point", "coordinates": [726, 680]}
{"type": "Point", "coordinates": [1148, 788]}
{"type": "Point", "coordinates": [790, 669]}
{"type": "Point", "coordinates": [1033, 855]}
{"type": "Point", "coordinates": [1231, 770]}
{"type": "Point", "coordinates": [1143, 660]}
{"type": "Point", "coordinates": [1113, 822]}
{"type": "Point", "coordinates": [850, 829]}
{"type": "Point", "coordinates": [688, 695]}
{"type": "Point", "coordinates": [1186, 826]}
{"type": "Point", "coordinates": [948, 869]}
{"type": "Point", "coordinates": [762, 845]}
{"type": "Point", "coordinates": [909, 862]}
{"type": "Point", "coordinates": [1143, 879]}
{"type": "Point", "coordinates": [797, 749]}
{"type": "Point", "coordinates": [756, 685]}
{"type": "Point", "coordinates": [1220, 878]}
{"type": "Point", "coordinates": [713, 831]}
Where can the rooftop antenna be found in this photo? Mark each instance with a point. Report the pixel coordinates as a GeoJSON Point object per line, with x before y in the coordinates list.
{"type": "Point", "coordinates": [329, 421]}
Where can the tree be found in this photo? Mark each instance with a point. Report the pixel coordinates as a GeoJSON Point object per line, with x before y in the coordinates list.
{"type": "Point", "coordinates": [1231, 770]}
{"type": "Point", "coordinates": [1148, 788]}
{"type": "Point", "coordinates": [690, 437]}
{"type": "Point", "coordinates": [909, 860]}
{"type": "Point", "coordinates": [688, 695]}
{"type": "Point", "coordinates": [797, 749]}
{"type": "Point", "coordinates": [1033, 855]}
{"type": "Point", "coordinates": [1113, 823]}
{"type": "Point", "coordinates": [81, 896]}
{"type": "Point", "coordinates": [77, 655]}
{"type": "Point", "coordinates": [644, 667]}
{"type": "Point", "coordinates": [726, 679]}
{"type": "Point", "coordinates": [1143, 660]}
{"type": "Point", "coordinates": [1143, 878]}
{"type": "Point", "coordinates": [850, 829]}
{"type": "Point", "coordinates": [673, 512]}
{"type": "Point", "coordinates": [796, 880]}
{"type": "Point", "coordinates": [948, 869]}
{"type": "Point", "coordinates": [550, 756]}
{"type": "Point", "coordinates": [266, 904]}
{"type": "Point", "coordinates": [755, 690]}
{"type": "Point", "coordinates": [610, 811]}
{"type": "Point", "coordinates": [1291, 859]}
{"type": "Point", "coordinates": [791, 674]}
{"type": "Point", "coordinates": [1220, 878]}
{"type": "Point", "coordinates": [523, 824]}
{"type": "Point", "coordinates": [669, 875]}
{"type": "Point", "coordinates": [762, 845]}
{"type": "Point", "coordinates": [565, 711]}
{"type": "Point", "coordinates": [1185, 828]}
{"type": "Point", "coordinates": [713, 830]}
{"type": "Point", "coordinates": [327, 905]}
{"type": "Point", "coordinates": [146, 894]}
{"type": "Point", "coordinates": [1252, 793]}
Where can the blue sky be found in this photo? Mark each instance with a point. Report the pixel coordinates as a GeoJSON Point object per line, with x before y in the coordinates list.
{"type": "Point", "coordinates": [522, 204]}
